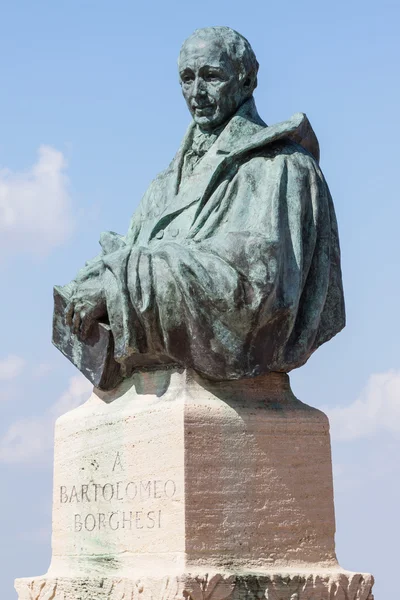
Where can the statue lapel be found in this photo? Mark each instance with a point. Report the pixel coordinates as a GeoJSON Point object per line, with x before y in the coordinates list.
{"type": "Point", "coordinates": [185, 193]}
{"type": "Point", "coordinates": [245, 133]}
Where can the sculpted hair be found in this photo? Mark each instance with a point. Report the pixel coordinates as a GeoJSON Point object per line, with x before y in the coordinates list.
{"type": "Point", "coordinates": [237, 47]}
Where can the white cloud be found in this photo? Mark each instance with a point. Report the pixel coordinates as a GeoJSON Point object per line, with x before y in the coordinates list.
{"type": "Point", "coordinates": [41, 370]}
{"type": "Point", "coordinates": [31, 440]}
{"type": "Point", "coordinates": [11, 367]}
{"type": "Point", "coordinates": [377, 409]}
{"type": "Point", "coordinates": [78, 391]}
{"type": "Point", "coordinates": [35, 207]}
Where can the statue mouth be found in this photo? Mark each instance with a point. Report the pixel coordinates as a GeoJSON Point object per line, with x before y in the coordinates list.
{"type": "Point", "coordinates": [206, 108]}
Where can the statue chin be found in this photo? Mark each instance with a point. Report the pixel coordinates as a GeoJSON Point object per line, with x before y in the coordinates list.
{"type": "Point", "coordinates": [206, 123]}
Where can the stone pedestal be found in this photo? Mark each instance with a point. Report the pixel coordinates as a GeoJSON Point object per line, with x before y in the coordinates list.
{"type": "Point", "coordinates": [174, 486]}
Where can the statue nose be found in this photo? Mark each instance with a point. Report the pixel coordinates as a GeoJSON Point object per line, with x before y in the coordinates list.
{"type": "Point", "coordinates": [199, 89]}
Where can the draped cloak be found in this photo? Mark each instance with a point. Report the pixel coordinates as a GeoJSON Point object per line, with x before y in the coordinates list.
{"type": "Point", "coordinates": [233, 271]}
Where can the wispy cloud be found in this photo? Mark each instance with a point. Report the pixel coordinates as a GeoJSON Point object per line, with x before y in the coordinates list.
{"type": "Point", "coordinates": [41, 370]}
{"type": "Point", "coordinates": [35, 207]}
{"type": "Point", "coordinates": [31, 440]}
{"type": "Point", "coordinates": [11, 367]}
{"type": "Point", "coordinates": [376, 410]}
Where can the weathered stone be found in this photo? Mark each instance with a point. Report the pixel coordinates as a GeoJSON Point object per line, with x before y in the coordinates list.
{"type": "Point", "coordinates": [139, 475]}
{"type": "Point", "coordinates": [171, 477]}
{"type": "Point", "coordinates": [289, 585]}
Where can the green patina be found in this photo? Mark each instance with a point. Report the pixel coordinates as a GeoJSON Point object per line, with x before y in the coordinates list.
{"type": "Point", "coordinates": [231, 264]}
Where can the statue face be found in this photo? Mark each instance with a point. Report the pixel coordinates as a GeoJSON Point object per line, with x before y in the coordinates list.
{"type": "Point", "coordinates": [210, 84]}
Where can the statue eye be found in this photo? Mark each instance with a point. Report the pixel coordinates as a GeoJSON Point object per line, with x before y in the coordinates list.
{"type": "Point", "coordinates": [212, 77]}
{"type": "Point", "coordinates": [187, 79]}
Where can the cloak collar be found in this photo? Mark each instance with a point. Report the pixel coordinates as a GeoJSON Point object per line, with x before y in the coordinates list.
{"type": "Point", "coordinates": [244, 133]}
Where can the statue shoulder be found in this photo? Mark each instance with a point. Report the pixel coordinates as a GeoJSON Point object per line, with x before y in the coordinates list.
{"type": "Point", "coordinates": [296, 130]}
{"type": "Point", "coordinates": [279, 155]}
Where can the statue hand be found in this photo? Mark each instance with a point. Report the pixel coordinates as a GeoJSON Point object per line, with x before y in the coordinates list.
{"type": "Point", "coordinates": [86, 308]}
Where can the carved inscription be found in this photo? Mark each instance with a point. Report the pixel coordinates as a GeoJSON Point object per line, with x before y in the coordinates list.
{"type": "Point", "coordinates": [120, 490]}
{"type": "Point", "coordinates": [138, 500]}
{"type": "Point", "coordinates": [138, 519]}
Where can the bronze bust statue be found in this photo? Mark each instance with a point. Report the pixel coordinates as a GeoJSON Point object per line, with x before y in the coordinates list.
{"type": "Point", "coordinates": [231, 263]}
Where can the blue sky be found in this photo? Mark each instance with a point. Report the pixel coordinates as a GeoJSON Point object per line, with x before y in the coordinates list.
{"type": "Point", "coordinates": [90, 112]}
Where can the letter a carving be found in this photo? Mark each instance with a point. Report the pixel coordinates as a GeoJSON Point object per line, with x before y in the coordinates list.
{"type": "Point", "coordinates": [117, 463]}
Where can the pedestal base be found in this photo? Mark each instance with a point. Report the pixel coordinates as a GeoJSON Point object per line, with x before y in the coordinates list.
{"type": "Point", "coordinates": [288, 585]}
{"type": "Point", "coordinates": [173, 486]}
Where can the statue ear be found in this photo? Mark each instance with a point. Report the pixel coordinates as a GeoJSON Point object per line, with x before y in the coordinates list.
{"type": "Point", "coordinates": [250, 83]}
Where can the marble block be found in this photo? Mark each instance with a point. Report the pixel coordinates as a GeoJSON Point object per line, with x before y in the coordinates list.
{"type": "Point", "coordinates": [175, 485]}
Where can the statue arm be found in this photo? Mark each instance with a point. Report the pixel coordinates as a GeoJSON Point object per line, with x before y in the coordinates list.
{"type": "Point", "coordinates": [109, 242]}
{"type": "Point", "coordinates": [86, 291]}
{"type": "Point", "coordinates": [112, 242]}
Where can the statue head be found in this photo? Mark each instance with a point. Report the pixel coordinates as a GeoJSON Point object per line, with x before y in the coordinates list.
{"type": "Point", "coordinates": [218, 72]}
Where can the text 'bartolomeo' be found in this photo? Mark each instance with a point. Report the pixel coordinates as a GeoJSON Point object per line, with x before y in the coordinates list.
{"type": "Point", "coordinates": [120, 490]}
